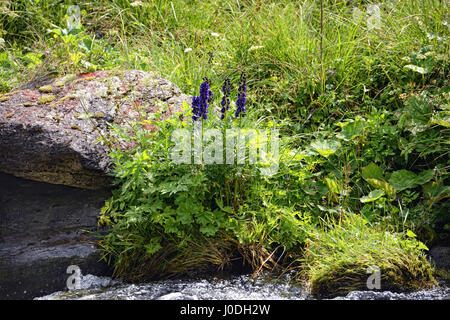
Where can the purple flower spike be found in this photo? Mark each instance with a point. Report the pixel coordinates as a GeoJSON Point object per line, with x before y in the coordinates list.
{"type": "Point", "coordinates": [200, 103]}
{"type": "Point", "coordinates": [242, 97]}
{"type": "Point", "coordinates": [225, 103]}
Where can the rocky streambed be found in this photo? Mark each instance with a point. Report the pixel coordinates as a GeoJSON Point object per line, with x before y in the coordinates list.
{"type": "Point", "coordinates": [241, 287]}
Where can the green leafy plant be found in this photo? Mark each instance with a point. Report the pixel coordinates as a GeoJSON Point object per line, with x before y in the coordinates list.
{"type": "Point", "coordinates": [162, 206]}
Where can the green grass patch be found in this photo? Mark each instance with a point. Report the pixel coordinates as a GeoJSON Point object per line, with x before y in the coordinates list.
{"type": "Point", "coordinates": [338, 259]}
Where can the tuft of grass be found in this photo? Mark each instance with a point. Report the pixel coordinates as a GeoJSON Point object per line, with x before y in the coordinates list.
{"type": "Point", "coordinates": [337, 260]}
{"type": "Point", "coordinates": [200, 255]}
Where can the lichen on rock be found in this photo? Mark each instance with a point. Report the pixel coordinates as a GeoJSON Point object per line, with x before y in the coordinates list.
{"type": "Point", "coordinates": [58, 144]}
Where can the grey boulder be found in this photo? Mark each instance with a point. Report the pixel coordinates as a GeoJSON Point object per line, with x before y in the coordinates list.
{"type": "Point", "coordinates": [50, 131]}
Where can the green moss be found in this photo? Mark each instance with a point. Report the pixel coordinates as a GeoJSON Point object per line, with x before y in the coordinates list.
{"type": "Point", "coordinates": [70, 96]}
{"type": "Point", "coordinates": [46, 98]}
{"type": "Point", "coordinates": [4, 98]}
{"type": "Point", "coordinates": [46, 89]}
{"type": "Point", "coordinates": [337, 261]}
{"type": "Point", "coordinates": [61, 82]}
{"type": "Point", "coordinates": [27, 104]}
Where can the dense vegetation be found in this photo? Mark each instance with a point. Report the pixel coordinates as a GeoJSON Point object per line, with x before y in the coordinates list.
{"type": "Point", "coordinates": [362, 112]}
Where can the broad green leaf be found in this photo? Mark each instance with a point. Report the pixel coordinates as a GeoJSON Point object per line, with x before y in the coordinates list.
{"type": "Point", "coordinates": [410, 234]}
{"type": "Point", "coordinates": [325, 209]}
{"type": "Point", "coordinates": [373, 174]}
{"type": "Point", "coordinates": [325, 147]}
{"type": "Point", "coordinates": [351, 130]}
{"type": "Point", "coordinates": [184, 217]}
{"type": "Point", "coordinates": [416, 114]}
{"type": "Point", "coordinates": [310, 187]}
{"type": "Point", "coordinates": [403, 179]}
{"type": "Point", "coordinates": [424, 176]}
{"type": "Point", "coordinates": [372, 196]}
{"type": "Point", "coordinates": [382, 185]}
{"type": "Point", "coordinates": [372, 171]}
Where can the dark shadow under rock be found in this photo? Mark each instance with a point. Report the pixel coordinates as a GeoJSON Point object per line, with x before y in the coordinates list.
{"type": "Point", "coordinates": [45, 228]}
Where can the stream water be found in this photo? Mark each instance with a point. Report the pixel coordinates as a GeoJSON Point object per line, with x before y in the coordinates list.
{"type": "Point", "coordinates": [235, 288]}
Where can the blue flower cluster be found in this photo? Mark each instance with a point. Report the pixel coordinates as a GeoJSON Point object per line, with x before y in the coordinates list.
{"type": "Point", "coordinates": [200, 103]}
{"type": "Point", "coordinates": [242, 96]}
{"type": "Point", "coordinates": [225, 103]}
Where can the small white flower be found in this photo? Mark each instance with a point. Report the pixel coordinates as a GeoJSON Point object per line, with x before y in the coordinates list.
{"type": "Point", "coordinates": [136, 3]}
{"type": "Point", "coordinates": [255, 48]}
{"type": "Point", "coordinates": [214, 34]}
{"type": "Point", "coordinates": [187, 50]}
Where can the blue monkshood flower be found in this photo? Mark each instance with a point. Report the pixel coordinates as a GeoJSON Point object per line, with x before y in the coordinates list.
{"type": "Point", "coordinates": [200, 103]}
{"type": "Point", "coordinates": [196, 108]}
{"type": "Point", "coordinates": [226, 88]}
{"type": "Point", "coordinates": [242, 97]}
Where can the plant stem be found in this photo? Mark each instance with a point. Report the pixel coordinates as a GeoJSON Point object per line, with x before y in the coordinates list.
{"type": "Point", "coordinates": [322, 71]}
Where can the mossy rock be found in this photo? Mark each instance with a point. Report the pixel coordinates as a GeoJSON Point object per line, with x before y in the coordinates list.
{"type": "Point", "coordinates": [338, 260]}
{"type": "Point", "coordinates": [342, 279]}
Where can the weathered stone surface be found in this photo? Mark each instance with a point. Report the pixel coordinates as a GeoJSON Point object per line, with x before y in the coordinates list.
{"type": "Point", "coordinates": [441, 257]}
{"type": "Point", "coordinates": [46, 134]}
{"type": "Point", "coordinates": [43, 230]}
